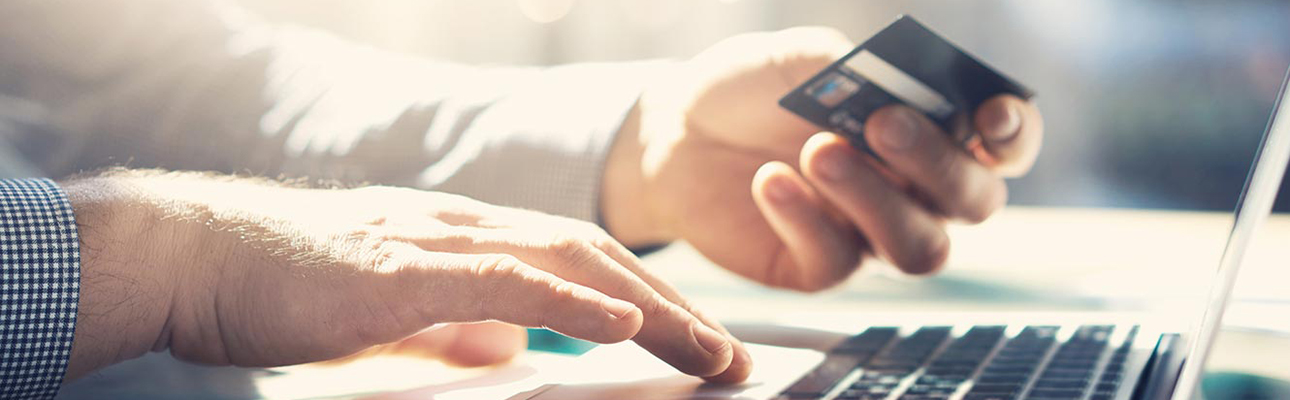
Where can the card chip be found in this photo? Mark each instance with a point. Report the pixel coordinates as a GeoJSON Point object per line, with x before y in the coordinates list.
{"type": "Point", "coordinates": [833, 89]}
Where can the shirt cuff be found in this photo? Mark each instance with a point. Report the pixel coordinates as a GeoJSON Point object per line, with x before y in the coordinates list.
{"type": "Point", "coordinates": [543, 146]}
{"type": "Point", "coordinates": [39, 287]}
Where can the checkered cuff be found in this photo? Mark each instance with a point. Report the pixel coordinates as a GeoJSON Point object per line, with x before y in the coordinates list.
{"type": "Point", "coordinates": [40, 278]}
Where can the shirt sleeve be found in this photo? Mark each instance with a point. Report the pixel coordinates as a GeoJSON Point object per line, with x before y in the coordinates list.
{"type": "Point", "coordinates": [39, 287]}
{"type": "Point", "coordinates": [199, 85]}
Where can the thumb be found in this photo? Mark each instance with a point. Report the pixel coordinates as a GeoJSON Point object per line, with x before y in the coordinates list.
{"type": "Point", "coordinates": [466, 345]}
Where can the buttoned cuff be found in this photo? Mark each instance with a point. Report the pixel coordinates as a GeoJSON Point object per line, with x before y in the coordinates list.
{"type": "Point", "coordinates": [39, 287]}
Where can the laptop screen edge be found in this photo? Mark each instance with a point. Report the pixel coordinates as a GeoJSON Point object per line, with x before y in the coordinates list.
{"type": "Point", "coordinates": [1266, 173]}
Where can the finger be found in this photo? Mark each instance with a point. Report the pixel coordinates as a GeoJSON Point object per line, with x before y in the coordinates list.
{"type": "Point", "coordinates": [900, 230]}
{"type": "Point", "coordinates": [1012, 131]}
{"type": "Point", "coordinates": [917, 149]}
{"type": "Point", "coordinates": [821, 251]}
{"type": "Point", "coordinates": [669, 331]}
{"type": "Point", "coordinates": [479, 287]}
{"type": "Point", "coordinates": [741, 363]}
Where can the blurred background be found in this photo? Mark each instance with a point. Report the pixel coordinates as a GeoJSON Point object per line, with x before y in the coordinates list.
{"type": "Point", "coordinates": [1148, 104]}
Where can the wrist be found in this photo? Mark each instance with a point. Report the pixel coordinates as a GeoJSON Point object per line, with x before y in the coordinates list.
{"type": "Point", "coordinates": [630, 205]}
{"type": "Point", "coordinates": [126, 286]}
{"type": "Point", "coordinates": [622, 186]}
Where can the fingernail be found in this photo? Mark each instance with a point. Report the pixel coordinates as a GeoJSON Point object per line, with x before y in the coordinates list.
{"type": "Point", "coordinates": [901, 130]}
{"type": "Point", "coordinates": [617, 308]}
{"type": "Point", "coordinates": [781, 190]}
{"type": "Point", "coordinates": [1002, 124]}
{"type": "Point", "coordinates": [836, 164]}
{"type": "Point", "coordinates": [711, 341]}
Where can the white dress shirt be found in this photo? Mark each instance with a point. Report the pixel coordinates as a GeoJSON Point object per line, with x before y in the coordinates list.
{"type": "Point", "coordinates": [200, 85]}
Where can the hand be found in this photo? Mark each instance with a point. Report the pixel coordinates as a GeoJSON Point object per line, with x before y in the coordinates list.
{"type": "Point", "coordinates": [226, 271]}
{"type": "Point", "coordinates": [712, 159]}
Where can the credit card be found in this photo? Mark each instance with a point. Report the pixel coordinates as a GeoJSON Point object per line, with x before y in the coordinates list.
{"type": "Point", "coordinates": [904, 63]}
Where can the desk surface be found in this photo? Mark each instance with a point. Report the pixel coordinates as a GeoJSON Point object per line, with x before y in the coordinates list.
{"type": "Point", "coordinates": [1025, 259]}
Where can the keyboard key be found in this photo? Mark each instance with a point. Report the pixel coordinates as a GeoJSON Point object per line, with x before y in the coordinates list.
{"type": "Point", "coordinates": [863, 394]}
{"type": "Point", "coordinates": [996, 388]}
{"type": "Point", "coordinates": [1008, 370]}
{"type": "Point", "coordinates": [895, 363]}
{"type": "Point", "coordinates": [1003, 378]}
{"type": "Point", "coordinates": [947, 376]}
{"type": "Point", "coordinates": [1053, 383]}
{"type": "Point", "coordinates": [1059, 393]}
{"type": "Point", "coordinates": [1063, 373]}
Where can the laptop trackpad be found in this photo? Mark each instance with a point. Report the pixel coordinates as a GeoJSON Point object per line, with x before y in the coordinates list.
{"type": "Point", "coordinates": [625, 371]}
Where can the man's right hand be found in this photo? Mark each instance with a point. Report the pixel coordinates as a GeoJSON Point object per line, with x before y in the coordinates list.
{"type": "Point", "coordinates": [228, 271]}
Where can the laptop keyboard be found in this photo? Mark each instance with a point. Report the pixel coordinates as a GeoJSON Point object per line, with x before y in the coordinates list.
{"type": "Point", "coordinates": [983, 363]}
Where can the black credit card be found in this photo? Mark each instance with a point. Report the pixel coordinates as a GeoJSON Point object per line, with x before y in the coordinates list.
{"type": "Point", "coordinates": [904, 63]}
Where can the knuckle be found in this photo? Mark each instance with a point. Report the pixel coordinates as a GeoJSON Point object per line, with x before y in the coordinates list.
{"type": "Point", "coordinates": [604, 243]}
{"type": "Point", "coordinates": [497, 268]}
{"type": "Point", "coordinates": [564, 291]}
{"type": "Point", "coordinates": [657, 306]}
{"type": "Point", "coordinates": [572, 252]}
{"type": "Point", "coordinates": [376, 247]}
